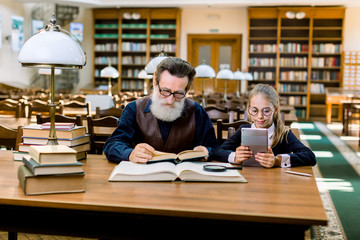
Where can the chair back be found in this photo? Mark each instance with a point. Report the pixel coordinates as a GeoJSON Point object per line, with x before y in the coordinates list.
{"type": "Point", "coordinates": [59, 118]}
{"type": "Point", "coordinates": [7, 108]}
{"type": "Point", "coordinates": [10, 138]}
{"type": "Point", "coordinates": [231, 128]}
{"type": "Point", "coordinates": [216, 113]}
{"type": "Point", "coordinates": [98, 139]}
{"type": "Point", "coordinates": [38, 106]}
{"type": "Point", "coordinates": [70, 108]}
{"type": "Point", "coordinates": [113, 111]}
{"type": "Point", "coordinates": [79, 98]}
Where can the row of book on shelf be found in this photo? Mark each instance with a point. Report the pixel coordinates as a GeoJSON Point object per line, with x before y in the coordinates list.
{"type": "Point", "coordinates": [105, 60]}
{"type": "Point", "coordinates": [139, 60]}
{"type": "Point", "coordinates": [285, 88]}
{"type": "Point", "coordinates": [293, 62]}
{"type": "Point", "coordinates": [295, 100]}
{"type": "Point", "coordinates": [295, 47]}
{"type": "Point", "coordinates": [293, 75]}
{"type": "Point", "coordinates": [106, 47]}
{"type": "Point", "coordinates": [262, 62]}
{"type": "Point", "coordinates": [52, 168]}
{"type": "Point", "coordinates": [132, 84]}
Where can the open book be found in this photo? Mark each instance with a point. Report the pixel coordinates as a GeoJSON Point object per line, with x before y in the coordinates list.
{"type": "Point", "coordinates": [168, 171]}
{"type": "Point", "coordinates": [192, 155]}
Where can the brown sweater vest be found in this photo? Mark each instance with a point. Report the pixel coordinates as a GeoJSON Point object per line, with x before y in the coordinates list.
{"type": "Point", "coordinates": [181, 134]}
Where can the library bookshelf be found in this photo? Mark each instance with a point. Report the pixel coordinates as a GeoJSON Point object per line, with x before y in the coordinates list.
{"type": "Point", "coordinates": [299, 57]}
{"type": "Point", "coordinates": [129, 38]}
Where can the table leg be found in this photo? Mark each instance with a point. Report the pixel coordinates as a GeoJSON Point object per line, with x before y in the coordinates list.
{"type": "Point", "coordinates": [12, 235]}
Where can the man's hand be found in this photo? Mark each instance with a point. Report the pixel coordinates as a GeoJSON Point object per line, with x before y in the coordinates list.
{"type": "Point", "coordinates": [142, 153]}
{"type": "Point", "coordinates": [202, 148]}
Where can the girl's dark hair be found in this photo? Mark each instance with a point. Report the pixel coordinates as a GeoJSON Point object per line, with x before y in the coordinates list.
{"type": "Point", "coordinates": [176, 67]}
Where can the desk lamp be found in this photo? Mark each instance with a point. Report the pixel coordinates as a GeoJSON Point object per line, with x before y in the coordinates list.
{"type": "Point", "coordinates": [109, 72]}
{"type": "Point", "coordinates": [144, 75]}
{"type": "Point", "coordinates": [225, 74]}
{"type": "Point", "coordinates": [238, 75]}
{"type": "Point", "coordinates": [204, 71]}
{"type": "Point", "coordinates": [248, 77]}
{"type": "Point", "coordinates": [47, 72]}
{"type": "Point", "coordinates": [151, 66]}
{"type": "Point", "coordinates": [52, 47]}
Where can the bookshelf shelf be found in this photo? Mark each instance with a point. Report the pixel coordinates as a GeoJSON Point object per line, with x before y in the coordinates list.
{"type": "Point", "coordinates": [305, 54]}
{"type": "Point", "coordinates": [131, 43]}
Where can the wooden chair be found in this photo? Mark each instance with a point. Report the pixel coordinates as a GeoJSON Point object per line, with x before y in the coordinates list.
{"type": "Point", "coordinates": [72, 108]}
{"type": "Point", "coordinates": [38, 106]}
{"type": "Point", "coordinates": [116, 112]}
{"type": "Point", "coordinates": [10, 109]}
{"type": "Point", "coordinates": [98, 140]}
{"type": "Point", "coordinates": [79, 98]}
{"type": "Point", "coordinates": [231, 128]}
{"type": "Point", "coordinates": [59, 118]}
{"type": "Point", "coordinates": [216, 113]}
{"type": "Point", "coordinates": [10, 138]}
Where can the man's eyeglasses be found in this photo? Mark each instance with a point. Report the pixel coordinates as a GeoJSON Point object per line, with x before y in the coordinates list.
{"type": "Point", "coordinates": [266, 111]}
{"type": "Point", "coordinates": [168, 93]}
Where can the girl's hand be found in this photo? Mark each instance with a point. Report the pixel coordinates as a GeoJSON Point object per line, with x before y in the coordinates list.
{"type": "Point", "coordinates": [242, 153]}
{"type": "Point", "coordinates": [268, 159]}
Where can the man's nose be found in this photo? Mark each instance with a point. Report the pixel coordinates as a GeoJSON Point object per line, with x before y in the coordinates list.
{"type": "Point", "coordinates": [170, 99]}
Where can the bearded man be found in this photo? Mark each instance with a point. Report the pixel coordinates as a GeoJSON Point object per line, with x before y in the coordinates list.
{"type": "Point", "coordinates": [165, 121]}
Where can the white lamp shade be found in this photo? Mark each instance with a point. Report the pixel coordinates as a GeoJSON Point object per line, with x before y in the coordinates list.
{"type": "Point", "coordinates": [52, 48]}
{"type": "Point", "coordinates": [205, 71]}
{"type": "Point", "coordinates": [290, 14]}
{"type": "Point", "coordinates": [47, 71]}
{"type": "Point", "coordinates": [248, 76]}
{"type": "Point", "coordinates": [143, 75]}
{"type": "Point", "coordinates": [238, 75]}
{"type": "Point", "coordinates": [109, 72]}
{"type": "Point", "coordinates": [151, 66]}
{"type": "Point", "coordinates": [300, 15]}
{"type": "Point", "coordinates": [225, 74]}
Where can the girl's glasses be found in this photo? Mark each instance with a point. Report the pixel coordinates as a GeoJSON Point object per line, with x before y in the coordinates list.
{"type": "Point", "coordinates": [266, 111]}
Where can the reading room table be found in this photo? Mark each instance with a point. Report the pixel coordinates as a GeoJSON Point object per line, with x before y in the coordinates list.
{"type": "Point", "coordinates": [272, 204]}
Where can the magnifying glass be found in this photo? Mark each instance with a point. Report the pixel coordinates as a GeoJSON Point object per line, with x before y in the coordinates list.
{"type": "Point", "coordinates": [219, 168]}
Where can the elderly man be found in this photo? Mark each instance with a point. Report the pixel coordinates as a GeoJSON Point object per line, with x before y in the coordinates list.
{"type": "Point", "coordinates": [165, 121]}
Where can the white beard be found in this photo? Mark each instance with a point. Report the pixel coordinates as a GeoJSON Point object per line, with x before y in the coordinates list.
{"type": "Point", "coordinates": [164, 112]}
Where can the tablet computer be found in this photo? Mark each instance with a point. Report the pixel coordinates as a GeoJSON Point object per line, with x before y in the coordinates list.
{"type": "Point", "coordinates": [257, 141]}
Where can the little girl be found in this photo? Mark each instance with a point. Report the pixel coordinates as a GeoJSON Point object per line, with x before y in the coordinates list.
{"type": "Point", "coordinates": [284, 148]}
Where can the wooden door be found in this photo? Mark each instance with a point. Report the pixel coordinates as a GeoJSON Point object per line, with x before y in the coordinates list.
{"type": "Point", "coordinates": [219, 51]}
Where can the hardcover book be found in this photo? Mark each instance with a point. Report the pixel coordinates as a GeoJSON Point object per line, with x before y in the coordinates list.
{"type": "Point", "coordinates": [51, 169]}
{"type": "Point", "coordinates": [52, 154]}
{"type": "Point", "coordinates": [36, 130]}
{"type": "Point", "coordinates": [168, 171]}
{"type": "Point", "coordinates": [58, 125]}
{"type": "Point", "coordinates": [62, 141]}
{"type": "Point", "coordinates": [186, 155]}
{"type": "Point", "coordinates": [35, 185]}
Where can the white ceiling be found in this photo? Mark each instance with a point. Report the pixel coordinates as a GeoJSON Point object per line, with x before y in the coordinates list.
{"type": "Point", "coordinates": [200, 3]}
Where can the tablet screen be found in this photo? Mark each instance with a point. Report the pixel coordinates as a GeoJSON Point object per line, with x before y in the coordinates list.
{"type": "Point", "coordinates": [257, 140]}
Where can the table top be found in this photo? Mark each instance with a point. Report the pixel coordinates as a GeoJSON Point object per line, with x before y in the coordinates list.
{"type": "Point", "coordinates": [13, 123]}
{"type": "Point", "coordinates": [270, 196]}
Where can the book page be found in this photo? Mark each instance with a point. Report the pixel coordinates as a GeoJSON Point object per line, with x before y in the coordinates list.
{"type": "Point", "coordinates": [191, 154]}
{"type": "Point", "coordinates": [162, 156]}
{"type": "Point", "coordinates": [129, 171]}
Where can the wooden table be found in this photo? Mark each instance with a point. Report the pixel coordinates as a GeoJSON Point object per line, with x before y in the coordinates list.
{"type": "Point", "coordinates": [13, 123]}
{"type": "Point", "coordinates": [272, 204]}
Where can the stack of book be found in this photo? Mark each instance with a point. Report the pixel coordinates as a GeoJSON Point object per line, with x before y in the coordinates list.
{"type": "Point", "coordinates": [51, 169]}
{"type": "Point", "coordinates": [67, 133]}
